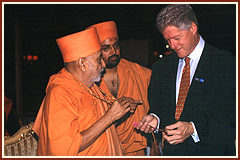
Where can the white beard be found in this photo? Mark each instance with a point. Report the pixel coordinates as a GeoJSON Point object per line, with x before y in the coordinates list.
{"type": "Point", "coordinates": [98, 78]}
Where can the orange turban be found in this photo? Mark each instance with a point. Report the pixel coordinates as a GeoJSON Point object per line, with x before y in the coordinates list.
{"type": "Point", "coordinates": [106, 30]}
{"type": "Point", "coordinates": [80, 44]}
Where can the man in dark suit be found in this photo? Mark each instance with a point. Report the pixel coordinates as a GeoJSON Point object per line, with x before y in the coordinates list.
{"type": "Point", "coordinates": [205, 124]}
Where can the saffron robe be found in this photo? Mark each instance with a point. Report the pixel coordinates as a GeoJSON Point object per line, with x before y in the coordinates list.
{"type": "Point", "coordinates": [7, 106]}
{"type": "Point", "coordinates": [134, 81]}
{"type": "Point", "coordinates": [67, 110]}
{"type": "Point", "coordinates": [7, 109]}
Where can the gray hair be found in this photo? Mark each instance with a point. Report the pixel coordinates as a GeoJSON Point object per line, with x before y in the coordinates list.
{"type": "Point", "coordinates": [178, 15]}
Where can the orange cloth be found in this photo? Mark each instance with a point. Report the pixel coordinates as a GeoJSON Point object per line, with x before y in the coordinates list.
{"type": "Point", "coordinates": [77, 45]}
{"type": "Point", "coordinates": [67, 110]}
{"type": "Point", "coordinates": [106, 30]}
{"type": "Point", "coordinates": [134, 81]}
{"type": "Point", "coordinates": [7, 106]}
{"type": "Point", "coordinates": [7, 109]}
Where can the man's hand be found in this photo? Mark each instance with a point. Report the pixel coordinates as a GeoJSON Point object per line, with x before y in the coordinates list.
{"type": "Point", "coordinates": [117, 110]}
{"type": "Point", "coordinates": [121, 106]}
{"type": "Point", "coordinates": [178, 132]}
{"type": "Point", "coordinates": [147, 124]}
{"type": "Point", "coordinates": [133, 104]}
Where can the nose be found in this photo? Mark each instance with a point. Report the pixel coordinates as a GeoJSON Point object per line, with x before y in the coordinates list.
{"type": "Point", "coordinates": [103, 63]}
{"type": "Point", "coordinates": [113, 50]}
{"type": "Point", "coordinates": [172, 44]}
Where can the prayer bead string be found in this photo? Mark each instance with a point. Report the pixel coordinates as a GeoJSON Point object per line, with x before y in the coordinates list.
{"type": "Point", "coordinates": [90, 91]}
{"type": "Point", "coordinates": [154, 139]}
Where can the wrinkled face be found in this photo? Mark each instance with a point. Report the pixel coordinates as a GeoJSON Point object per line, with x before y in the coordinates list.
{"type": "Point", "coordinates": [95, 65]}
{"type": "Point", "coordinates": [111, 52]}
{"type": "Point", "coordinates": [182, 42]}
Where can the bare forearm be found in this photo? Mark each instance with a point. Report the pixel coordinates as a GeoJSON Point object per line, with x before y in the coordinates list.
{"type": "Point", "coordinates": [117, 110]}
{"type": "Point", "coordinates": [91, 134]}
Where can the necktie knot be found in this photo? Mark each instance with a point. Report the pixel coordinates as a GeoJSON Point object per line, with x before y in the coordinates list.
{"type": "Point", "coordinates": [187, 60]}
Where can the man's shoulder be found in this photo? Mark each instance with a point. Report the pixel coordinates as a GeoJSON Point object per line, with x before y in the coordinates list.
{"type": "Point", "coordinates": [167, 60]}
{"type": "Point", "coordinates": [57, 91]}
{"type": "Point", "coordinates": [62, 84]}
{"type": "Point", "coordinates": [134, 65]}
{"type": "Point", "coordinates": [219, 55]}
{"type": "Point", "coordinates": [217, 51]}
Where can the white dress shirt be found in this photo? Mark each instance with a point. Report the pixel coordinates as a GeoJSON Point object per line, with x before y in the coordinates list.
{"type": "Point", "coordinates": [194, 56]}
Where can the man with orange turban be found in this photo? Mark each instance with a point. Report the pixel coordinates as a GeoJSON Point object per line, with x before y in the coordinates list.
{"type": "Point", "coordinates": [124, 78]}
{"type": "Point", "coordinates": [76, 118]}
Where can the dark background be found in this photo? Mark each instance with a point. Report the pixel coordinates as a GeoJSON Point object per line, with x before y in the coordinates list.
{"type": "Point", "coordinates": [41, 24]}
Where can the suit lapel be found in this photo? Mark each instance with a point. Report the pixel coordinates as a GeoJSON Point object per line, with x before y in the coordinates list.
{"type": "Point", "coordinates": [198, 87]}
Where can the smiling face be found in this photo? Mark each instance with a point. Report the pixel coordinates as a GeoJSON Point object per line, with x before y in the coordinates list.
{"type": "Point", "coordinates": [111, 52]}
{"type": "Point", "coordinates": [182, 42]}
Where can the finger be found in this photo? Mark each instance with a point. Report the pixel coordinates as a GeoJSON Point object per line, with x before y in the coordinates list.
{"type": "Point", "coordinates": [172, 132]}
{"type": "Point", "coordinates": [144, 126]}
{"type": "Point", "coordinates": [128, 98]}
{"type": "Point", "coordinates": [132, 109]}
{"type": "Point", "coordinates": [146, 129]}
{"type": "Point", "coordinates": [139, 125]}
{"type": "Point", "coordinates": [172, 126]}
{"type": "Point", "coordinates": [173, 142]}
{"type": "Point", "coordinates": [149, 129]}
{"type": "Point", "coordinates": [125, 98]}
{"type": "Point", "coordinates": [121, 99]}
{"type": "Point", "coordinates": [167, 137]}
{"type": "Point", "coordinates": [132, 100]}
{"type": "Point", "coordinates": [127, 110]}
{"type": "Point", "coordinates": [126, 104]}
{"type": "Point", "coordinates": [137, 102]}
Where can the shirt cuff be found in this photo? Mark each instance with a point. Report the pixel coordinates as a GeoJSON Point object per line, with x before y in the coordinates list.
{"type": "Point", "coordinates": [195, 134]}
{"type": "Point", "coordinates": [156, 131]}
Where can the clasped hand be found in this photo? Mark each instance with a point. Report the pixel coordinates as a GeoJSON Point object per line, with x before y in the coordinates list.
{"type": "Point", "coordinates": [123, 105]}
{"type": "Point", "coordinates": [178, 132]}
{"type": "Point", "coordinates": [173, 134]}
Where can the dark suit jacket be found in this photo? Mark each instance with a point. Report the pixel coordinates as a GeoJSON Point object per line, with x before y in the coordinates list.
{"type": "Point", "coordinates": [210, 105]}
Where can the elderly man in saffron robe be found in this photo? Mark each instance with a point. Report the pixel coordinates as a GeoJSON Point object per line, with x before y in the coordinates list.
{"type": "Point", "coordinates": [76, 117]}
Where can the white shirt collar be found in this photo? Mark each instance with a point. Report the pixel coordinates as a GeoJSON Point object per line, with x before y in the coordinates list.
{"type": "Point", "coordinates": [195, 56]}
{"type": "Point", "coordinates": [198, 49]}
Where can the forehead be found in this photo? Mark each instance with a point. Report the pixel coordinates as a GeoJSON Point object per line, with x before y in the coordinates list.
{"type": "Point", "coordinates": [109, 41]}
{"type": "Point", "coordinates": [94, 55]}
{"type": "Point", "coordinates": [170, 32]}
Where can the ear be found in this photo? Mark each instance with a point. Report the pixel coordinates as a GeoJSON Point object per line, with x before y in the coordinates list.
{"type": "Point", "coordinates": [81, 64]}
{"type": "Point", "coordinates": [193, 28]}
